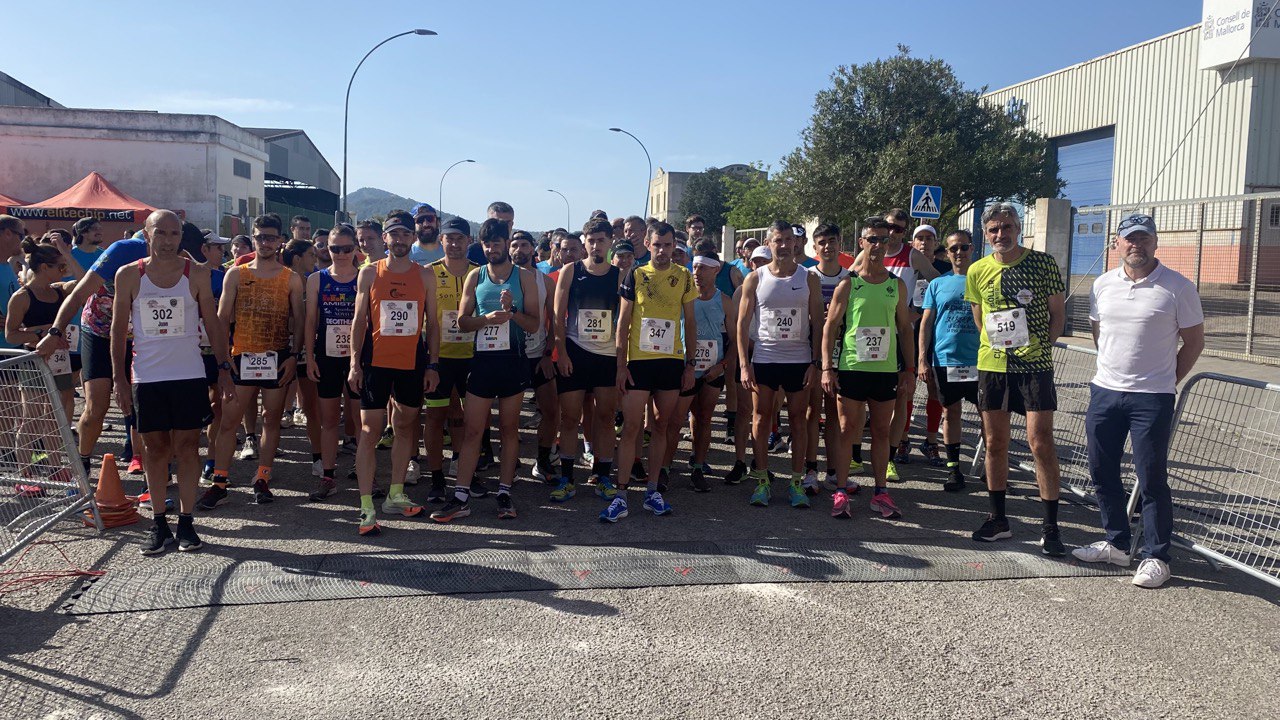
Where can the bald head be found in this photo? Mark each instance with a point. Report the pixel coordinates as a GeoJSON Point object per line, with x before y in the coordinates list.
{"type": "Point", "coordinates": [155, 218]}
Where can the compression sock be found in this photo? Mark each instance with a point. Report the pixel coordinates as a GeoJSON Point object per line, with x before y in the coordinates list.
{"type": "Point", "coordinates": [997, 503]}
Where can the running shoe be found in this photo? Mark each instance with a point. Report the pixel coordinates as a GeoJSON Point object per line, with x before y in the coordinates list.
{"type": "Point", "coordinates": [891, 473]}
{"type": "Point", "coordinates": [1102, 551]}
{"type": "Point", "coordinates": [1051, 542]}
{"type": "Point", "coordinates": [735, 474]}
{"type": "Point", "coordinates": [605, 488]}
{"type": "Point", "coordinates": [485, 461]}
{"type": "Point", "coordinates": [206, 476]}
{"type": "Point", "coordinates": [212, 497]}
{"type": "Point", "coordinates": [188, 540]}
{"type": "Point", "coordinates": [135, 466]}
{"type": "Point", "coordinates": [437, 492]}
{"type": "Point", "coordinates": [1152, 573]}
{"type": "Point", "coordinates": [840, 506]}
{"type": "Point", "coordinates": [776, 443]}
{"type": "Point", "coordinates": [412, 472]}
{"type": "Point", "coordinates": [478, 489]}
{"type": "Point", "coordinates": [955, 481]}
{"type": "Point", "coordinates": [455, 509]}
{"type": "Point", "coordinates": [400, 503]}
{"type": "Point", "coordinates": [506, 511]}
{"type": "Point", "coordinates": [388, 437]}
{"type": "Point", "coordinates": [903, 455]}
{"type": "Point", "coordinates": [144, 501]}
{"type": "Point", "coordinates": [654, 503]}
{"type": "Point", "coordinates": [249, 450]}
{"type": "Point", "coordinates": [797, 496]}
{"type": "Point", "coordinates": [760, 496]}
{"type": "Point", "coordinates": [931, 453]}
{"type": "Point", "coordinates": [858, 467]}
{"type": "Point", "coordinates": [829, 482]}
{"type": "Point", "coordinates": [563, 491]}
{"type": "Point", "coordinates": [810, 483]}
{"type": "Point", "coordinates": [326, 488]}
{"type": "Point", "coordinates": [369, 523]}
{"type": "Point", "coordinates": [993, 529]}
{"type": "Point", "coordinates": [35, 491]}
{"type": "Point", "coordinates": [286, 419]}
{"type": "Point", "coordinates": [616, 510]}
{"type": "Point", "coordinates": [883, 504]}
{"type": "Point", "coordinates": [317, 468]}
{"type": "Point", "coordinates": [158, 537]}
{"type": "Point", "coordinates": [698, 479]}
{"type": "Point", "coordinates": [588, 457]}
{"type": "Point", "coordinates": [262, 492]}
{"type": "Point", "coordinates": [300, 417]}
{"type": "Point", "coordinates": [543, 473]}
{"type": "Point", "coordinates": [851, 487]}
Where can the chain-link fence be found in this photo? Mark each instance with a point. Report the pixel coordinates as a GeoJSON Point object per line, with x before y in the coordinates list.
{"type": "Point", "coordinates": [1228, 246]}
{"type": "Point", "coordinates": [41, 478]}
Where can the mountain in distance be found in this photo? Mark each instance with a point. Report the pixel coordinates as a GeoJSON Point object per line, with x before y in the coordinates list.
{"type": "Point", "coordinates": [370, 202]}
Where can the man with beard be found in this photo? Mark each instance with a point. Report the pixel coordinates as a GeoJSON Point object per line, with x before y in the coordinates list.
{"type": "Point", "coordinates": [542, 374]}
{"type": "Point", "coordinates": [426, 221]}
{"type": "Point", "coordinates": [497, 210]}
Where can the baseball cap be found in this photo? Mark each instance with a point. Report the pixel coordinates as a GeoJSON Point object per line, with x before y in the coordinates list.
{"type": "Point", "coordinates": [455, 225]}
{"type": "Point", "coordinates": [423, 208]}
{"type": "Point", "coordinates": [622, 246]}
{"type": "Point", "coordinates": [1135, 223]}
{"type": "Point", "coordinates": [397, 220]}
{"type": "Point", "coordinates": [924, 228]}
{"type": "Point", "coordinates": [798, 231]}
{"type": "Point", "coordinates": [750, 240]}
{"type": "Point", "coordinates": [762, 252]}
{"type": "Point", "coordinates": [214, 239]}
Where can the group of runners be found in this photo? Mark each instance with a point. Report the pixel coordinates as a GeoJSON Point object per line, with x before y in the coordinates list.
{"type": "Point", "coordinates": [627, 332]}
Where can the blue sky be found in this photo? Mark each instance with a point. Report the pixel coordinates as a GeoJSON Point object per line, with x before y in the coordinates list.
{"type": "Point", "coordinates": [529, 90]}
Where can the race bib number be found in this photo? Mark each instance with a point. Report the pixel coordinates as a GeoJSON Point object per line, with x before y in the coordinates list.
{"type": "Point", "coordinates": [450, 331]}
{"type": "Point", "coordinates": [494, 337]}
{"type": "Point", "coordinates": [1008, 329]}
{"type": "Point", "coordinates": [399, 317]}
{"type": "Point", "coordinates": [60, 362]}
{"type": "Point", "coordinates": [163, 317]}
{"type": "Point", "coordinates": [657, 336]}
{"type": "Point", "coordinates": [258, 366]}
{"type": "Point", "coordinates": [872, 344]}
{"type": "Point", "coordinates": [595, 325]}
{"type": "Point", "coordinates": [202, 334]}
{"type": "Point", "coordinates": [73, 338]}
{"type": "Point", "coordinates": [705, 354]}
{"type": "Point", "coordinates": [962, 374]}
{"type": "Point", "coordinates": [782, 324]}
{"type": "Point", "coordinates": [918, 298]}
{"type": "Point", "coordinates": [337, 340]}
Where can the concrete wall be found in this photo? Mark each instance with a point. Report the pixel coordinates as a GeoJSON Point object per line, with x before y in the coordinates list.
{"type": "Point", "coordinates": [180, 162]}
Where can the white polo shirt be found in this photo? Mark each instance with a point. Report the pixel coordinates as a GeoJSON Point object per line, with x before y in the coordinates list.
{"type": "Point", "coordinates": [1138, 324]}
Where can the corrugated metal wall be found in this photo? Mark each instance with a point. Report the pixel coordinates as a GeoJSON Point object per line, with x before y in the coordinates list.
{"type": "Point", "coordinates": [1152, 93]}
{"type": "Point", "coordinates": [1264, 127]}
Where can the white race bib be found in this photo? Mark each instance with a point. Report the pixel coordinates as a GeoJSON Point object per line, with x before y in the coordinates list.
{"type": "Point", "coordinates": [202, 334]}
{"type": "Point", "coordinates": [918, 298]}
{"type": "Point", "coordinates": [595, 325]}
{"type": "Point", "coordinates": [450, 331]}
{"type": "Point", "coordinates": [657, 336]}
{"type": "Point", "coordinates": [1008, 329]}
{"type": "Point", "coordinates": [398, 317]}
{"type": "Point", "coordinates": [337, 340]}
{"type": "Point", "coordinates": [872, 344]}
{"type": "Point", "coordinates": [258, 366]}
{"type": "Point", "coordinates": [60, 362]}
{"type": "Point", "coordinates": [782, 324]}
{"type": "Point", "coordinates": [964, 373]}
{"type": "Point", "coordinates": [163, 317]}
{"type": "Point", "coordinates": [494, 337]}
{"type": "Point", "coordinates": [73, 338]}
{"type": "Point", "coordinates": [705, 354]}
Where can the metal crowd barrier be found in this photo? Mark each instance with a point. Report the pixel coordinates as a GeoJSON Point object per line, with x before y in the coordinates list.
{"type": "Point", "coordinates": [41, 478]}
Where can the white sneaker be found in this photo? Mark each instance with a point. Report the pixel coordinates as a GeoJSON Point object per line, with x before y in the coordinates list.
{"type": "Point", "coordinates": [411, 472]}
{"type": "Point", "coordinates": [810, 481]}
{"type": "Point", "coordinates": [1152, 573]}
{"type": "Point", "coordinates": [1102, 551]}
{"type": "Point", "coordinates": [249, 450]}
{"type": "Point", "coordinates": [317, 468]}
{"type": "Point", "coordinates": [299, 418]}
{"type": "Point", "coordinates": [286, 419]}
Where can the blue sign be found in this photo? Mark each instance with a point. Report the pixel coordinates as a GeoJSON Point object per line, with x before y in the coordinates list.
{"type": "Point", "coordinates": [926, 201]}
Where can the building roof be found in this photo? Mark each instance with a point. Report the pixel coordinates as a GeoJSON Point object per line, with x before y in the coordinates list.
{"type": "Point", "coordinates": [274, 134]}
{"type": "Point", "coordinates": [22, 87]}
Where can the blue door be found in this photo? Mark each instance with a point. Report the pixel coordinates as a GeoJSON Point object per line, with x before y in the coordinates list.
{"type": "Point", "coordinates": [1085, 163]}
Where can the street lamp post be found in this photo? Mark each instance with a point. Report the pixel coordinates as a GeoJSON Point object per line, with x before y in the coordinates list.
{"type": "Point", "coordinates": [649, 180]}
{"type": "Point", "coordinates": [568, 216]}
{"type": "Point", "coordinates": [440, 196]}
{"type": "Point", "coordinates": [346, 109]}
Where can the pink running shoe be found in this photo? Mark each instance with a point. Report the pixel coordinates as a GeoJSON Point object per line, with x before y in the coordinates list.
{"type": "Point", "coordinates": [883, 504]}
{"type": "Point", "coordinates": [840, 505]}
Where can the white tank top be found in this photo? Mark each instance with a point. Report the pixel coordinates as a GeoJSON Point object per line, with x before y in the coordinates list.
{"type": "Point", "coordinates": [166, 342]}
{"type": "Point", "coordinates": [536, 343]}
{"type": "Point", "coordinates": [782, 314]}
{"type": "Point", "coordinates": [900, 265]}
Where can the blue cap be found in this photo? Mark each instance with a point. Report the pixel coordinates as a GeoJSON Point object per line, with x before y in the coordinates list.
{"type": "Point", "coordinates": [423, 207]}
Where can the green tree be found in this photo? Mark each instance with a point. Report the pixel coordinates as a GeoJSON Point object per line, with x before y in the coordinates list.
{"type": "Point", "coordinates": [704, 194]}
{"type": "Point", "coordinates": [755, 202]}
{"type": "Point", "coordinates": [890, 124]}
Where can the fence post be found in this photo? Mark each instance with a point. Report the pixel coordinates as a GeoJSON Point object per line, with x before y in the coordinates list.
{"type": "Point", "coordinates": [1199, 245]}
{"type": "Point", "coordinates": [1255, 239]}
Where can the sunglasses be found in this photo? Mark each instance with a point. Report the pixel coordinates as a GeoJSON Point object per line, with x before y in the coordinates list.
{"type": "Point", "coordinates": [959, 248]}
{"type": "Point", "coordinates": [424, 219]}
{"type": "Point", "coordinates": [268, 238]}
{"type": "Point", "coordinates": [875, 239]}
{"type": "Point", "coordinates": [894, 227]}
{"type": "Point", "coordinates": [342, 249]}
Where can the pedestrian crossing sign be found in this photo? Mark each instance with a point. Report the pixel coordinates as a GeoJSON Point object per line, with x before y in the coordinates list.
{"type": "Point", "coordinates": [926, 201]}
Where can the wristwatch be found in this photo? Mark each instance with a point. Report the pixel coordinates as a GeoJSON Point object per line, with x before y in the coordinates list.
{"type": "Point", "coordinates": [224, 365]}
{"type": "Point", "coordinates": [433, 366]}
{"type": "Point", "coordinates": [690, 363]}
{"type": "Point", "coordinates": [55, 332]}
{"type": "Point", "coordinates": [300, 357]}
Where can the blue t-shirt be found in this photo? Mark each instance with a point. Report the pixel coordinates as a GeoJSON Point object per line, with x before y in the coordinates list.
{"type": "Point", "coordinates": [216, 276]}
{"type": "Point", "coordinates": [121, 253]}
{"type": "Point", "coordinates": [955, 337]}
{"type": "Point", "coordinates": [475, 253]}
{"type": "Point", "coordinates": [86, 259]}
{"type": "Point", "coordinates": [807, 262]}
{"type": "Point", "coordinates": [423, 256]}
{"type": "Point", "coordinates": [8, 286]}
{"type": "Point", "coordinates": [544, 266]}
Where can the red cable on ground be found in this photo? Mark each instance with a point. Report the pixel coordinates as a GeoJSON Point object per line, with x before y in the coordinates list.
{"type": "Point", "coordinates": [30, 578]}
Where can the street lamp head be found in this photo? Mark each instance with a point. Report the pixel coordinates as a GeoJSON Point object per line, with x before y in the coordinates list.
{"type": "Point", "coordinates": [468, 161]}
{"type": "Point", "coordinates": [420, 31]}
{"type": "Point", "coordinates": [615, 129]}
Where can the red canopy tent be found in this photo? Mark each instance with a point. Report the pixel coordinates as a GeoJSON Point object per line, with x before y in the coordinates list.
{"type": "Point", "coordinates": [6, 201]}
{"type": "Point", "coordinates": [94, 196]}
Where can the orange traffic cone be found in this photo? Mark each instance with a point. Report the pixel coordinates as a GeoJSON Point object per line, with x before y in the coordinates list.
{"type": "Point", "coordinates": [114, 508]}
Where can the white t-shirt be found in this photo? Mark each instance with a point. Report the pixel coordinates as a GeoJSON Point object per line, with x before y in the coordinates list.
{"type": "Point", "coordinates": [1138, 324]}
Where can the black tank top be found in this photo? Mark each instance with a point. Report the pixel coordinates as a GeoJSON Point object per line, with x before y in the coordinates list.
{"type": "Point", "coordinates": [40, 312]}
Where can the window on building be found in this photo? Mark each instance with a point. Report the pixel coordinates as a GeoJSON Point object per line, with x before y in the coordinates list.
{"type": "Point", "coordinates": [255, 207]}
{"type": "Point", "coordinates": [244, 208]}
{"type": "Point", "coordinates": [224, 205]}
{"type": "Point", "coordinates": [1274, 219]}
{"type": "Point", "coordinates": [240, 168]}
{"type": "Point", "coordinates": [1097, 228]}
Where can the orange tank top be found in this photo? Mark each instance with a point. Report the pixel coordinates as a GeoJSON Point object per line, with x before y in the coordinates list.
{"type": "Point", "coordinates": [397, 302]}
{"type": "Point", "coordinates": [262, 312]}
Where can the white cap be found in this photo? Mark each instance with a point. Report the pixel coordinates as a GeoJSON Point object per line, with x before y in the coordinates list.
{"type": "Point", "coordinates": [762, 252]}
{"type": "Point", "coordinates": [923, 228]}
